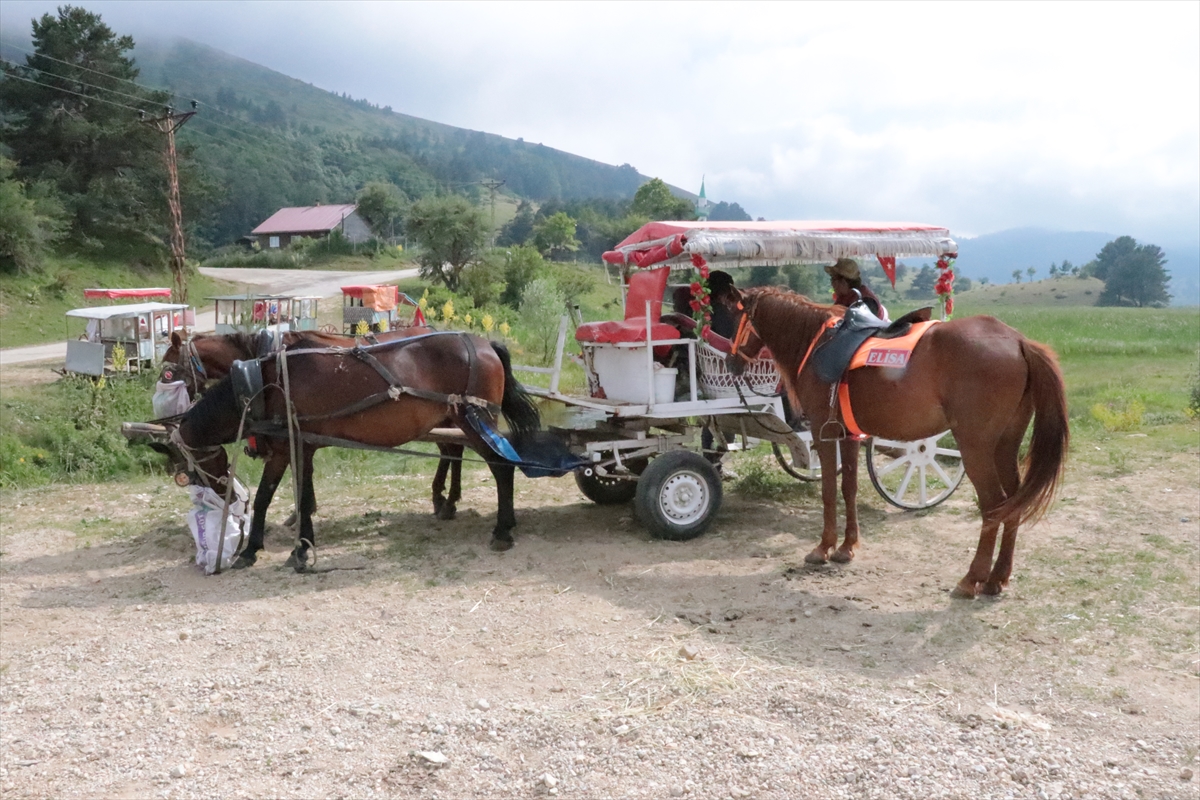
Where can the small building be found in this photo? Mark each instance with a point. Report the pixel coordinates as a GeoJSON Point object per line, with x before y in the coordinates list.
{"type": "Point", "coordinates": [311, 222]}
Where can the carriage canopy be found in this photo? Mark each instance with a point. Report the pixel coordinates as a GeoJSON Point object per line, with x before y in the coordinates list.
{"type": "Point", "coordinates": [754, 244]}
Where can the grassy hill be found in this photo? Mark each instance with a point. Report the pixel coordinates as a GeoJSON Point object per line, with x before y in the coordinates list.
{"type": "Point", "coordinates": [1052, 292]}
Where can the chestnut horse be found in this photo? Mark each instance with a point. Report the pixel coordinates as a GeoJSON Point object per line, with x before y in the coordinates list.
{"type": "Point", "coordinates": [340, 395]}
{"type": "Point", "coordinates": [975, 376]}
{"type": "Point", "coordinates": [206, 358]}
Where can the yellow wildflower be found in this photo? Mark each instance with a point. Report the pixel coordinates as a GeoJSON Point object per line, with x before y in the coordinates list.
{"type": "Point", "coordinates": [362, 328]}
{"type": "Point", "coordinates": [504, 328]}
{"type": "Point", "coordinates": [448, 311]}
{"type": "Point", "coordinates": [487, 323]}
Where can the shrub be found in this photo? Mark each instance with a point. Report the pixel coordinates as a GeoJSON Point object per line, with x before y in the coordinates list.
{"type": "Point", "coordinates": [542, 306]}
{"type": "Point", "coordinates": [1119, 416]}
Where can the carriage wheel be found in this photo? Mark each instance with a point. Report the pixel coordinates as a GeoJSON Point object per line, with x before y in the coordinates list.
{"type": "Point", "coordinates": [605, 490]}
{"type": "Point", "coordinates": [915, 475]}
{"type": "Point", "coordinates": [678, 495]}
{"type": "Point", "coordinates": [799, 459]}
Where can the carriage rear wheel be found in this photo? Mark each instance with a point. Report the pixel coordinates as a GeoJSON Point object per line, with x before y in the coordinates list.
{"type": "Point", "coordinates": [798, 458]}
{"type": "Point", "coordinates": [678, 495]}
{"type": "Point", "coordinates": [605, 490]}
{"type": "Point", "coordinates": [915, 475]}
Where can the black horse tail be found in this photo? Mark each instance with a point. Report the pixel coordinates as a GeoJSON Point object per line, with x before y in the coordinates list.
{"type": "Point", "coordinates": [524, 419]}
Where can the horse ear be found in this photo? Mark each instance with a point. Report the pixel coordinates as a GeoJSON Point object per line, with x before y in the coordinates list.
{"type": "Point", "coordinates": [176, 339]}
{"type": "Point", "coordinates": [734, 298]}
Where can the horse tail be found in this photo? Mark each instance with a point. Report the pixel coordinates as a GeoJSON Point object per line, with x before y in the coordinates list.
{"type": "Point", "coordinates": [1044, 461]}
{"type": "Point", "coordinates": [517, 405]}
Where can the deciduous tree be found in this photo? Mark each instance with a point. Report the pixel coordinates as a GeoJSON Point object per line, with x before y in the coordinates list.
{"type": "Point", "coordinates": [654, 200]}
{"type": "Point", "coordinates": [555, 234]}
{"type": "Point", "coordinates": [381, 205]}
{"type": "Point", "coordinates": [451, 233]}
{"type": "Point", "coordinates": [1133, 274]}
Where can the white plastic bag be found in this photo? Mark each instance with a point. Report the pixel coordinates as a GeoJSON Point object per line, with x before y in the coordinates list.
{"type": "Point", "coordinates": [204, 520]}
{"type": "Point", "coordinates": [170, 399]}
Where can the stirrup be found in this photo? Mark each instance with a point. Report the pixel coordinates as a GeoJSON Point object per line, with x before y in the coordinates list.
{"type": "Point", "coordinates": [838, 428]}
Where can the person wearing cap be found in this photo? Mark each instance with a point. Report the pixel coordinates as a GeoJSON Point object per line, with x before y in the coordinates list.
{"type": "Point", "coordinates": [848, 287]}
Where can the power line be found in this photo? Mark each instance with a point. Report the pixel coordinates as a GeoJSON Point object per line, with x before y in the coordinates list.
{"type": "Point", "coordinates": [207, 106]}
{"type": "Point", "coordinates": [77, 94]}
{"type": "Point", "coordinates": [74, 80]}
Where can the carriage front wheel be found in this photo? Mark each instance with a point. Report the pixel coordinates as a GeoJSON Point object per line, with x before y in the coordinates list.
{"type": "Point", "coordinates": [915, 475]}
{"type": "Point", "coordinates": [678, 495]}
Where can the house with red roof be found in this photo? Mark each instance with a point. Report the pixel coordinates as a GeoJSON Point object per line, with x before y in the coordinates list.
{"type": "Point", "coordinates": [312, 222]}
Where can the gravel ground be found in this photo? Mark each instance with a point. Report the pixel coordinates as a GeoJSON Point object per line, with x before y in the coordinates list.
{"type": "Point", "coordinates": [590, 661]}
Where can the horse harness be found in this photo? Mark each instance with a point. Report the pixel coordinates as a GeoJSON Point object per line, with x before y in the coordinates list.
{"type": "Point", "coordinates": [249, 386]}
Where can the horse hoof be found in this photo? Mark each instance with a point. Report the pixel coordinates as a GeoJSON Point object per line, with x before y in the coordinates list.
{"type": "Point", "coordinates": [965, 590]}
{"type": "Point", "coordinates": [500, 545]}
{"type": "Point", "coordinates": [297, 562]}
{"type": "Point", "coordinates": [991, 589]}
{"type": "Point", "coordinates": [446, 513]}
{"type": "Point", "coordinates": [841, 556]}
{"type": "Point", "coordinates": [243, 561]}
{"type": "Point", "coordinates": [816, 557]}
{"type": "Point", "coordinates": [290, 521]}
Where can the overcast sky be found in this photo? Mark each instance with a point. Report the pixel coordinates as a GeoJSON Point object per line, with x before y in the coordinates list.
{"type": "Point", "coordinates": [980, 117]}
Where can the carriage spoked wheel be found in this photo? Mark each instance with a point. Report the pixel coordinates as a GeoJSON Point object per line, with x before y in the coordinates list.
{"type": "Point", "coordinates": [678, 495]}
{"type": "Point", "coordinates": [915, 475]}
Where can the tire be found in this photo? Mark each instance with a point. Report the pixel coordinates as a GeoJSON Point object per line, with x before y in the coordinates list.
{"type": "Point", "coordinates": [797, 468]}
{"type": "Point", "coordinates": [915, 475]}
{"type": "Point", "coordinates": [678, 495]}
{"type": "Point", "coordinates": [602, 490]}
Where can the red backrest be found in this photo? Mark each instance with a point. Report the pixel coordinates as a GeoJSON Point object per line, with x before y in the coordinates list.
{"type": "Point", "coordinates": [646, 284]}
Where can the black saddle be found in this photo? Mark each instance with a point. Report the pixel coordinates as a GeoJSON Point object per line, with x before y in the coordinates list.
{"type": "Point", "coordinates": [831, 357]}
{"type": "Point", "coordinates": [247, 380]}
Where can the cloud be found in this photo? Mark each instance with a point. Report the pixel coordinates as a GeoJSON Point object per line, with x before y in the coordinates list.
{"type": "Point", "coordinates": [979, 116]}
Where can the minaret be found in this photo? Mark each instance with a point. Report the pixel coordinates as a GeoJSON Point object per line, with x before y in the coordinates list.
{"type": "Point", "coordinates": [702, 204]}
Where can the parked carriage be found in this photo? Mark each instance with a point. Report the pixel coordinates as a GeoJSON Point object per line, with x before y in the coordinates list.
{"type": "Point", "coordinates": [124, 338]}
{"type": "Point", "coordinates": [250, 313]}
{"type": "Point", "coordinates": [380, 308]}
{"type": "Point", "coordinates": [642, 434]}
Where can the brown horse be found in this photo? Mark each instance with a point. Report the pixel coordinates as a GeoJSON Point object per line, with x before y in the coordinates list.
{"type": "Point", "coordinates": [207, 358]}
{"type": "Point", "coordinates": [975, 376]}
{"type": "Point", "coordinates": [395, 392]}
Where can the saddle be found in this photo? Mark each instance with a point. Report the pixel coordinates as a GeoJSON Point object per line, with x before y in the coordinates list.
{"type": "Point", "coordinates": [831, 358]}
{"type": "Point", "coordinates": [247, 380]}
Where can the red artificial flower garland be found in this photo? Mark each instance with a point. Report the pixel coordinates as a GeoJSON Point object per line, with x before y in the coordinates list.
{"type": "Point", "coordinates": [701, 303]}
{"type": "Point", "coordinates": [944, 288]}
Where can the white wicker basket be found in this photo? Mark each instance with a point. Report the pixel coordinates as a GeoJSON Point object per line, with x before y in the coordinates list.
{"type": "Point", "coordinates": [759, 378]}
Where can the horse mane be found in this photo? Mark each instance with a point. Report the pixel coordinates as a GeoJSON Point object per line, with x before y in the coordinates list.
{"type": "Point", "coordinates": [787, 321]}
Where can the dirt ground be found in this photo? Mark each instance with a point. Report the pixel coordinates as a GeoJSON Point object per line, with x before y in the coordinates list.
{"type": "Point", "coordinates": [592, 661]}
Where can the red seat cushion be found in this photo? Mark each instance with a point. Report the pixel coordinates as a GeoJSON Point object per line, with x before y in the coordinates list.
{"type": "Point", "coordinates": [618, 331]}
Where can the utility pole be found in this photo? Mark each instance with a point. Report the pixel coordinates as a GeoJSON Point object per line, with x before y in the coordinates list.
{"type": "Point", "coordinates": [492, 186]}
{"type": "Point", "coordinates": [167, 124]}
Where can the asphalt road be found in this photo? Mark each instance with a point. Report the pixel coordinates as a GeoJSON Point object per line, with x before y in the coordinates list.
{"type": "Point", "coordinates": [321, 283]}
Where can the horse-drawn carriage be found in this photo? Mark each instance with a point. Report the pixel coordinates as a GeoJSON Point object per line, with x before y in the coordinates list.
{"type": "Point", "coordinates": [641, 425]}
{"type": "Point", "coordinates": [638, 432]}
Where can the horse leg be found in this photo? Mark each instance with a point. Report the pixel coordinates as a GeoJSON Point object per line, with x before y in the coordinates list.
{"type": "Point", "coordinates": [979, 462]}
{"type": "Point", "coordinates": [450, 462]}
{"type": "Point", "coordinates": [850, 448]}
{"type": "Point", "coordinates": [273, 468]}
{"type": "Point", "coordinates": [298, 560]}
{"type": "Point", "coordinates": [506, 518]}
{"type": "Point", "coordinates": [1007, 455]}
{"type": "Point", "coordinates": [827, 452]}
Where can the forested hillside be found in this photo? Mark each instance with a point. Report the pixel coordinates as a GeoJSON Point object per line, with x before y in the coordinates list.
{"type": "Point", "coordinates": [259, 140]}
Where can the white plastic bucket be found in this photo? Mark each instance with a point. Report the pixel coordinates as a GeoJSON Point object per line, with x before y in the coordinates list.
{"type": "Point", "coordinates": [664, 384]}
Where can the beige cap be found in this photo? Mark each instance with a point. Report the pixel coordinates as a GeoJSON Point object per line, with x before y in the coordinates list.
{"type": "Point", "coordinates": [844, 268]}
